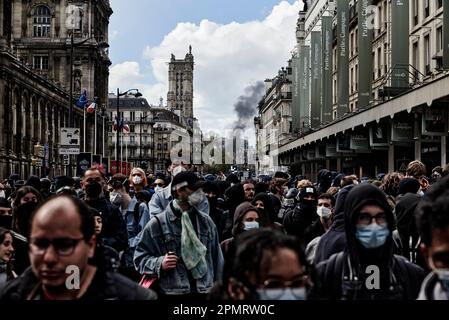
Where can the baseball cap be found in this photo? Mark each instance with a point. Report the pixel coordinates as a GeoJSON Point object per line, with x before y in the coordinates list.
{"type": "Point", "coordinates": [186, 179]}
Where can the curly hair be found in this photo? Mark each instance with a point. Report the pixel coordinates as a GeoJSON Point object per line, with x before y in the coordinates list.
{"type": "Point", "coordinates": [390, 183]}
{"type": "Point", "coordinates": [248, 255]}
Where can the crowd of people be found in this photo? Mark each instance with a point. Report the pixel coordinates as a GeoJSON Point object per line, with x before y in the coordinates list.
{"type": "Point", "coordinates": [179, 235]}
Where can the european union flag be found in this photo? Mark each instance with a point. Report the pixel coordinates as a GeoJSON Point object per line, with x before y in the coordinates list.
{"type": "Point", "coordinates": [82, 101]}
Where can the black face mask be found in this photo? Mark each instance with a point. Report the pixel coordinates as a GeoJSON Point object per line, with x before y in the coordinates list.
{"type": "Point", "coordinates": [93, 190]}
{"type": "Point", "coordinates": [213, 201]}
{"type": "Point", "coordinates": [308, 204]}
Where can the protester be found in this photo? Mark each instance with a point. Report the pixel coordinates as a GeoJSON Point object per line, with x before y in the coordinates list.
{"type": "Point", "coordinates": [180, 245]}
{"type": "Point", "coordinates": [249, 190]}
{"type": "Point", "coordinates": [6, 256]}
{"type": "Point", "coordinates": [304, 215]}
{"type": "Point", "coordinates": [114, 232]}
{"type": "Point", "coordinates": [369, 223]}
{"type": "Point", "coordinates": [63, 239]}
{"type": "Point", "coordinates": [433, 225]}
{"type": "Point", "coordinates": [265, 265]}
{"type": "Point", "coordinates": [324, 211]}
{"type": "Point", "coordinates": [246, 217]}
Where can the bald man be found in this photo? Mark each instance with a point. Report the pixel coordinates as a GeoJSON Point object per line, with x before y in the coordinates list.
{"type": "Point", "coordinates": [62, 242]}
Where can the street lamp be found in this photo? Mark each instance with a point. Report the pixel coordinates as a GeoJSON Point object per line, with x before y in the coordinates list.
{"type": "Point", "coordinates": [117, 151]}
{"type": "Point", "coordinates": [140, 147]}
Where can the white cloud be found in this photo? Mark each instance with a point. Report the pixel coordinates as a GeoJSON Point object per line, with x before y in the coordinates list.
{"type": "Point", "coordinates": [228, 57]}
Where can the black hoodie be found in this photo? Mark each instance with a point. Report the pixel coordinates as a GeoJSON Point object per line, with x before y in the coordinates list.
{"type": "Point", "coordinates": [334, 240]}
{"type": "Point", "coordinates": [345, 275]}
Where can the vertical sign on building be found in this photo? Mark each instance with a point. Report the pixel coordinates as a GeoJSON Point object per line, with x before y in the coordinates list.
{"type": "Point", "coordinates": [446, 34]}
{"type": "Point", "coordinates": [315, 110]}
{"type": "Point", "coordinates": [326, 115]}
{"type": "Point", "coordinates": [400, 43]}
{"type": "Point", "coordinates": [342, 57]}
{"type": "Point", "coordinates": [365, 46]}
{"type": "Point", "coordinates": [296, 96]}
{"type": "Point", "coordinates": [304, 85]}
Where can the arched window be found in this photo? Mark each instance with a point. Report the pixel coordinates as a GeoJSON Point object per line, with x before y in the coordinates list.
{"type": "Point", "coordinates": [41, 22]}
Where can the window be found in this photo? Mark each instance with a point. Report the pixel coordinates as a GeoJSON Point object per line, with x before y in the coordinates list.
{"type": "Point", "coordinates": [427, 54]}
{"type": "Point", "coordinates": [132, 128]}
{"type": "Point", "coordinates": [132, 139]}
{"type": "Point", "coordinates": [439, 4]}
{"type": "Point", "coordinates": [40, 62]}
{"type": "Point", "coordinates": [415, 60]}
{"type": "Point", "coordinates": [415, 12]}
{"type": "Point", "coordinates": [159, 146]}
{"type": "Point", "coordinates": [379, 62]}
{"type": "Point", "coordinates": [132, 116]}
{"type": "Point", "coordinates": [41, 22]}
{"type": "Point", "coordinates": [439, 39]}
{"type": "Point", "coordinates": [426, 8]}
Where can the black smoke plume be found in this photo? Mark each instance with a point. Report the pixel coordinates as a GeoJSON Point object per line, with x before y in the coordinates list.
{"type": "Point", "coordinates": [246, 106]}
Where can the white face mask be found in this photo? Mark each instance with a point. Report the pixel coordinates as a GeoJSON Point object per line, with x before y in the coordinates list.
{"type": "Point", "coordinates": [2, 194]}
{"type": "Point", "coordinates": [115, 197]}
{"type": "Point", "coordinates": [284, 294]}
{"type": "Point", "coordinates": [156, 189]}
{"type": "Point", "coordinates": [251, 225]}
{"type": "Point", "coordinates": [137, 180]}
{"type": "Point", "coordinates": [324, 212]}
{"type": "Point", "coordinates": [196, 197]}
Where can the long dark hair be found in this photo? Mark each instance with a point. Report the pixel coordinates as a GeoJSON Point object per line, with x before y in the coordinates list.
{"type": "Point", "coordinates": [9, 273]}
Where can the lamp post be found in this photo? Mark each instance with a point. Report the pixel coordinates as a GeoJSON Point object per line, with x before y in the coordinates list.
{"type": "Point", "coordinates": [140, 146]}
{"type": "Point", "coordinates": [117, 151]}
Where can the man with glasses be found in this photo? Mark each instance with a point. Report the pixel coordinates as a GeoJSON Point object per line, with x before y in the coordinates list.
{"type": "Point", "coordinates": [368, 269]}
{"type": "Point", "coordinates": [62, 243]}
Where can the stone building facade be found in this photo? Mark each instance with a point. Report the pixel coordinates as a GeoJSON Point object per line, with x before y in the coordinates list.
{"type": "Point", "coordinates": [35, 79]}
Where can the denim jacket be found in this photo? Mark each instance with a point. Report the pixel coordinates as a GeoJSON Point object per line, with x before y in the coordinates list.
{"type": "Point", "coordinates": [153, 245]}
{"type": "Point", "coordinates": [133, 228]}
{"type": "Point", "coordinates": [161, 199]}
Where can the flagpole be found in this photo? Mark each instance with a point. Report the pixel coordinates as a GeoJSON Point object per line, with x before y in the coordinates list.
{"type": "Point", "coordinates": [126, 151]}
{"type": "Point", "coordinates": [95, 132]}
{"type": "Point", "coordinates": [121, 149]}
{"type": "Point", "coordinates": [85, 133]}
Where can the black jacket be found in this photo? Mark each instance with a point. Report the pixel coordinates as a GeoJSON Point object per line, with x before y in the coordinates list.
{"type": "Point", "coordinates": [334, 240]}
{"type": "Point", "coordinates": [296, 221]}
{"type": "Point", "coordinates": [406, 225]}
{"type": "Point", "coordinates": [347, 275]}
{"type": "Point", "coordinates": [114, 232]}
{"type": "Point", "coordinates": [105, 286]}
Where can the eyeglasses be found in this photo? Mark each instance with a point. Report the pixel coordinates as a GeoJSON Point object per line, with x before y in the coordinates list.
{"type": "Point", "coordinates": [298, 282]}
{"type": "Point", "coordinates": [63, 246]}
{"type": "Point", "coordinates": [366, 218]}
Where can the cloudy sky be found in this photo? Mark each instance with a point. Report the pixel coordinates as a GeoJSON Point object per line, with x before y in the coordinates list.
{"type": "Point", "coordinates": [236, 43]}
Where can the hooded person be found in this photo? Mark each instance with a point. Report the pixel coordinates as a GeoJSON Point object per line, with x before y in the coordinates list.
{"type": "Point", "coordinates": [324, 180]}
{"type": "Point", "coordinates": [234, 196]}
{"type": "Point", "coordinates": [296, 221]}
{"type": "Point", "coordinates": [334, 240]}
{"type": "Point", "coordinates": [407, 229]}
{"type": "Point", "coordinates": [246, 217]}
{"type": "Point", "coordinates": [22, 228]}
{"type": "Point", "coordinates": [368, 269]}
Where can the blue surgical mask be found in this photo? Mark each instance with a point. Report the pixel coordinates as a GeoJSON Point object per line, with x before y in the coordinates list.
{"type": "Point", "coordinates": [372, 236]}
{"type": "Point", "coordinates": [251, 225]}
{"type": "Point", "coordinates": [282, 294]}
{"type": "Point", "coordinates": [443, 275]}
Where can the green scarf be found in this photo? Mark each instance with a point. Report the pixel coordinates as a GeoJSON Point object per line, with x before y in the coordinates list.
{"type": "Point", "coordinates": [193, 252]}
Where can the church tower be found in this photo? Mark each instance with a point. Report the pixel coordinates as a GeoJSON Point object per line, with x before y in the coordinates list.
{"type": "Point", "coordinates": [180, 90]}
